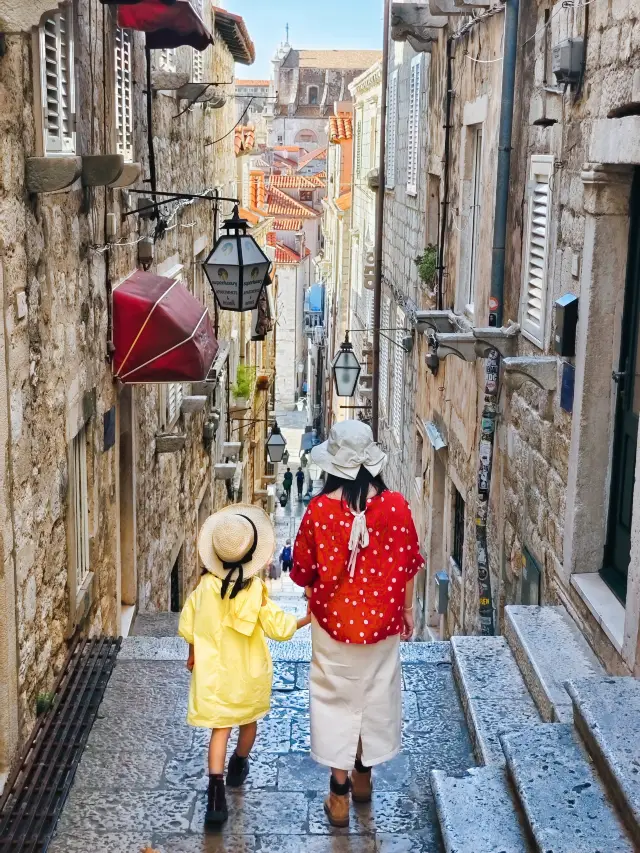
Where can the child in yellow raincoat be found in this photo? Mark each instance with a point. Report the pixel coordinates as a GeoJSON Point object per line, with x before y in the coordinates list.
{"type": "Point", "coordinates": [225, 621]}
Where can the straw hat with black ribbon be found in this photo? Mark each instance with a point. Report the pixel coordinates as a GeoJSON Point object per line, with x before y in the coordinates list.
{"type": "Point", "coordinates": [235, 544]}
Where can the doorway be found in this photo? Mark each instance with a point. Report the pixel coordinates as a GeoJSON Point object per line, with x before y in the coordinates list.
{"type": "Point", "coordinates": [627, 412]}
{"type": "Point", "coordinates": [175, 591]}
{"type": "Point", "coordinates": [128, 555]}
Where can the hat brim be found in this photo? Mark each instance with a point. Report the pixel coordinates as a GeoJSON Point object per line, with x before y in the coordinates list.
{"type": "Point", "coordinates": [265, 547]}
{"type": "Point", "coordinates": [323, 459]}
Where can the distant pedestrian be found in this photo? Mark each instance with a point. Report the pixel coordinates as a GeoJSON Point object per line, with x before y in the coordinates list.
{"type": "Point", "coordinates": [225, 621]}
{"type": "Point", "coordinates": [287, 482]}
{"type": "Point", "coordinates": [300, 482]}
{"type": "Point", "coordinates": [286, 557]}
{"type": "Point", "coordinates": [361, 605]}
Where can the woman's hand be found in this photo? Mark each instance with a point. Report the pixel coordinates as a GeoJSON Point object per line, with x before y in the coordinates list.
{"type": "Point", "coordinates": [409, 626]}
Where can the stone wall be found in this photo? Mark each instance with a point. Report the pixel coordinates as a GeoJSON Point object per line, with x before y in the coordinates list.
{"type": "Point", "coordinates": [57, 275]}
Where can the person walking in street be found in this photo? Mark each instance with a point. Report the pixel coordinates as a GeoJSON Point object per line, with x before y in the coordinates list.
{"type": "Point", "coordinates": [225, 621]}
{"type": "Point", "coordinates": [300, 482]}
{"type": "Point", "coordinates": [287, 483]}
{"type": "Point", "coordinates": [356, 554]}
{"type": "Point", "coordinates": [286, 557]}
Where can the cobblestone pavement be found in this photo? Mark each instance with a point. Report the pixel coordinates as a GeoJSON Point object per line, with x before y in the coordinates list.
{"type": "Point", "coordinates": [143, 777]}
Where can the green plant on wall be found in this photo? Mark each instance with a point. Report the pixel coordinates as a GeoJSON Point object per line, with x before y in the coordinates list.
{"type": "Point", "coordinates": [245, 377]}
{"type": "Point", "coordinates": [427, 264]}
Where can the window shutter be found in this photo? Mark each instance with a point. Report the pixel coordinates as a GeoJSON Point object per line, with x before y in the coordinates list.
{"type": "Point", "coordinates": [124, 95]}
{"type": "Point", "coordinates": [392, 130]}
{"type": "Point", "coordinates": [535, 266]}
{"type": "Point", "coordinates": [197, 71]}
{"type": "Point", "coordinates": [167, 59]}
{"type": "Point", "coordinates": [359, 149]}
{"type": "Point", "coordinates": [57, 82]}
{"type": "Point", "coordinates": [415, 83]}
{"type": "Point", "coordinates": [384, 358]}
{"type": "Point", "coordinates": [398, 378]}
{"type": "Point", "coordinates": [80, 505]}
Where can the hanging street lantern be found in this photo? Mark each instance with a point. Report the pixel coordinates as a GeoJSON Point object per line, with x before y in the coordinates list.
{"type": "Point", "coordinates": [237, 267]}
{"type": "Point", "coordinates": [346, 369]}
{"type": "Point", "coordinates": [276, 444]}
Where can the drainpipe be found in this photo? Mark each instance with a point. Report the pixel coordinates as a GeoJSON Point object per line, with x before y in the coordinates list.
{"type": "Point", "coordinates": [446, 169]}
{"type": "Point", "coordinates": [492, 365]}
{"type": "Point", "coordinates": [377, 285]}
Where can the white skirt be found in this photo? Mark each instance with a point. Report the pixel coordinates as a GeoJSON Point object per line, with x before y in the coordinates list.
{"type": "Point", "coordinates": [355, 693]}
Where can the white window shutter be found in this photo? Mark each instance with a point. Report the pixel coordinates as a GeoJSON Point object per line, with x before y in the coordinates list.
{"type": "Point", "coordinates": [167, 59]}
{"type": "Point", "coordinates": [398, 378]}
{"type": "Point", "coordinates": [392, 130]}
{"type": "Point", "coordinates": [197, 70]}
{"type": "Point", "coordinates": [415, 84]}
{"type": "Point", "coordinates": [57, 82]}
{"type": "Point", "coordinates": [537, 239]}
{"type": "Point", "coordinates": [384, 357]}
{"type": "Point", "coordinates": [80, 505]}
{"type": "Point", "coordinates": [124, 94]}
{"type": "Point", "coordinates": [359, 148]}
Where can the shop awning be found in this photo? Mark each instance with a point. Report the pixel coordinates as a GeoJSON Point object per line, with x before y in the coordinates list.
{"type": "Point", "coordinates": [161, 333]}
{"type": "Point", "coordinates": [131, 2]}
{"type": "Point", "coordinates": [166, 26]}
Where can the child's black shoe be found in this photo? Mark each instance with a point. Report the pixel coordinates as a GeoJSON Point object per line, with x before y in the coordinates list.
{"type": "Point", "coordinates": [238, 771]}
{"type": "Point", "coordinates": [217, 812]}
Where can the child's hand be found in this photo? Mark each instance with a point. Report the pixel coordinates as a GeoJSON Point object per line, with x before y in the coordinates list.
{"type": "Point", "coordinates": [306, 620]}
{"type": "Point", "coordinates": [190, 662]}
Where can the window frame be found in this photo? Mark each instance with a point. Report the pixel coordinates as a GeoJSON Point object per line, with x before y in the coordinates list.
{"type": "Point", "coordinates": [67, 143]}
{"type": "Point", "coordinates": [539, 165]}
{"type": "Point", "coordinates": [172, 391]}
{"type": "Point", "coordinates": [475, 213]}
{"type": "Point", "coordinates": [122, 115]}
{"type": "Point", "coordinates": [384, 356]}
{"type": "Point", "coordinates": [458, 522]}
{"type": "Point", "coordinates": [78, 505]}
{"type": "Point", "coordinates": [317, 100]}
{"type": "Point", "coordinates": [413, 140]}
{"type": "Point", "coordinates": [392, 130]}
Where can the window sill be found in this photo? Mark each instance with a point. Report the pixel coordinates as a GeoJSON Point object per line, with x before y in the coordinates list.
{"type": "Point", "coordinates": [603, 605]}
{"type": "Point", "coordinates": [52, 174]}
{"type": "Point", "coordinates": [84, 599]}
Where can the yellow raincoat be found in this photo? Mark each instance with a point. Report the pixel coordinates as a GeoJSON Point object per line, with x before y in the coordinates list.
{"type": "Point", "coordinates": [233, 672]}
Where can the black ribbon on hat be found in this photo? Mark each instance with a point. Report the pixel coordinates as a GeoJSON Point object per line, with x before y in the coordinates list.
{"type": "Point", "coordinates": [238, 565]}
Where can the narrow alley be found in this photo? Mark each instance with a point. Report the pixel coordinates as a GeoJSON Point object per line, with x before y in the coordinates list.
{"type": "Point", "coordinates": [143, 777]}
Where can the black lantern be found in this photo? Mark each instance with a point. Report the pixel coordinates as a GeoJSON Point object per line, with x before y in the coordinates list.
{"type": "Point", "coordinates": [346, 369]}
{"type": "Point", "coordinates": [276, 444]}
{"type": "Point", "coordinates": [237, 267]}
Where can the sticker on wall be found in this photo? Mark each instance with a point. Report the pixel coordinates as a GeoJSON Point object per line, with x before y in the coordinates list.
{"type": "Point", "coordinates": [109, 428]}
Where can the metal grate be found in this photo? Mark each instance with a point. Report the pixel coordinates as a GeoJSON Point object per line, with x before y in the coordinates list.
{"type": "Point", "coordinates": [37, 791]}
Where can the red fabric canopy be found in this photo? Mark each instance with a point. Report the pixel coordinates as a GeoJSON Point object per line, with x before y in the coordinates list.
{"type": "Point", "coordinates": [166, 26]}
{"type": "Point", "coordinates": [130, 2]}
{"type": "Point", "coordinates": [161, 332]}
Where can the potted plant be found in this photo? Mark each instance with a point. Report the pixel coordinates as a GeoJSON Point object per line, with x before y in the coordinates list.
{"type": "Point", "coordinates": [262, 381]}
{"type": "Point", "coordinates": [427, 264]}
{"type": "Point", "coordinates": [241, 389]}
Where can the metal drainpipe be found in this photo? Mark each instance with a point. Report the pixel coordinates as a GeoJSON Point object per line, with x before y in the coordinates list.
{"type": "Point", "coordinates": [377, 287]}
{"type": "Point", "coordinates": [492, 365]}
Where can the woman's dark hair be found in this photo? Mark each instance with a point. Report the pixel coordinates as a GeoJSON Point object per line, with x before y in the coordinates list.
{"type": "Point", "coordinates": [354, 492]}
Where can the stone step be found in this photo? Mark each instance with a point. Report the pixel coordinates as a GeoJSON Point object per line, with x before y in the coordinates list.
{"type": "Point", "coordinates": [477, 812]}
{"type": "Point", "coordinates": [563, 799]}
{"type": "Point", "coordinates": [494, 695]}
{"type": "Point", "coordinates": [550, 650]}
{"type": "Point", "coordinates": [607, 715]}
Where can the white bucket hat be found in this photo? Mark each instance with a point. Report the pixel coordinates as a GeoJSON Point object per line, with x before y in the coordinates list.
{"type": "Point", "coordinates": [350, 445]}
{"type": "Point", "coordinates": [236, 543]}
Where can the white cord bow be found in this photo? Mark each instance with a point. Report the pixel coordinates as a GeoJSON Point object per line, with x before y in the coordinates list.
{"type": "Point", "coordinates": [359, 538]}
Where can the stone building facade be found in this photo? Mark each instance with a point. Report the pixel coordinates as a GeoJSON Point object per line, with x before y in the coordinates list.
{"type": "Point", "coordinates": [307, 84]}
{"type": "Point", "coordinates": [97, 519]}
{"type": "Point", "coordinates": [563, 520]}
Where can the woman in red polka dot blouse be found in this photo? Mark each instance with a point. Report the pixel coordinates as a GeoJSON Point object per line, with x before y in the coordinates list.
{"type": "Point", "coordinates": [356, 554]}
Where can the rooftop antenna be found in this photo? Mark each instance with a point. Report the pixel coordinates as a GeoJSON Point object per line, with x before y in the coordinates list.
{"type": "Point", "coordinates": [287, 31]}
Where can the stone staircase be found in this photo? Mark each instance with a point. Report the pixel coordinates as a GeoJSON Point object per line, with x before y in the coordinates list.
{"type": "Point", "coordinates": [558, 741]}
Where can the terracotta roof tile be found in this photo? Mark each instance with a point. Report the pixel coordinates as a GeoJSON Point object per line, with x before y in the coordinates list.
{"type": "Point", "coordinates": [251, 217]}
{"type": "Point", "coordinates": [278, 203]}
{"type": "Point", "coordinates": [296, 182]}
{"type": "Point", "coordinates": [340, 128]}
{"type": "Point", "coordinates": [244, 139]}
{"type": "Point", "coordinates": [252, 82]}
{"type": "Point", "coordinates": [288, 224]}
{"type": "Point", "coordinates": [318, 154]}
{"type": "Point", "coordinates": [285, 255]}
{"type": "Point", "coordinates": [340, 59]}
{"type": "Point", "coordinates": [344, 201]}
{"type": "Point", "coordinates": [235, 35]}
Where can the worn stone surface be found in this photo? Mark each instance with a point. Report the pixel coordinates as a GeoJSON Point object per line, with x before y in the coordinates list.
{"type": "Point", "coordinates": [153, 786]}
{"type": "Point", "coordinates": [477, 812]}
{"type": "Point", "coordinates": [607, 713]}
{"type": "Point", "coordinates": [563, 799]}
{"type": "Point", "coordinates": [494, 695]}
{"type": "Point", "coordinates": [550, 650]}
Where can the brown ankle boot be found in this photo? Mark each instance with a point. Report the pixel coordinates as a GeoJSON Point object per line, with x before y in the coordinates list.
{"type": "Point", "coordinates": [361, 786]}
{"type": "Point", "coordinates": [336, 805]}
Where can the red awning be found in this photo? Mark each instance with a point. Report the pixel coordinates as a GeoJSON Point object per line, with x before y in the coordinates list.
{"type": "Point", "coordinates": [161, 333]}
{"type": "Point", "coordinates": [130, 2]}
{"type": "Point", "coordinates": [166, 26]}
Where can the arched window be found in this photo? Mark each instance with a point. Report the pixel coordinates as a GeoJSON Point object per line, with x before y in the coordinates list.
{"type": "Point", "coordinates": [306, 137]}
{"type": "Point", "coordinates": [312, 94]}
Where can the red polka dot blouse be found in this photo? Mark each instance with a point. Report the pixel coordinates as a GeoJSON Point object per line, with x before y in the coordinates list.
{"type": "Point", "coordinates": [367, 607]}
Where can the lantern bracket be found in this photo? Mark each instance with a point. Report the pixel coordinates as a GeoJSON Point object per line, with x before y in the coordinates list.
{"type": "Point", "coordinates": [170, 197]}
